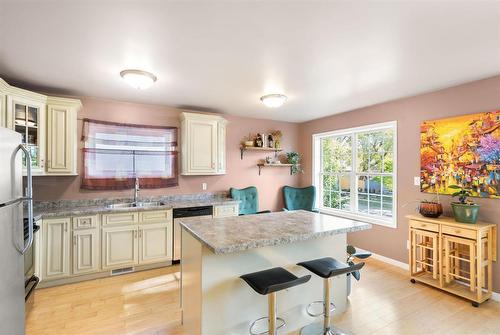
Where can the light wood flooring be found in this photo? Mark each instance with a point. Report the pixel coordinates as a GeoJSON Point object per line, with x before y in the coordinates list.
{"type": "Point", "coordinates": [384, 302]}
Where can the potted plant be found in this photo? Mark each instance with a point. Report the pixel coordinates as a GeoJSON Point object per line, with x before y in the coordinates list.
{"type": "Point", "coordinates": [464, 211]}
{"type": "Point", "coordinates": [294, 159]}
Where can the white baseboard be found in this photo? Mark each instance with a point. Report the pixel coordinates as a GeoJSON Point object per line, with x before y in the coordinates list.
{"type": "Point", "coordinates": [494, 296]}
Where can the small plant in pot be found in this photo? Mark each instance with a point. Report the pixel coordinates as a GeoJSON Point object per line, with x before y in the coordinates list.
{"type": "Point", "coordinates": [464, 211]}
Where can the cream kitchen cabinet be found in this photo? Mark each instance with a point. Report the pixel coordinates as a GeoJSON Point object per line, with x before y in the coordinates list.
{"type": "Point", "coordinates": [203, 139]}
{"type": "Point", "coordinates": [155, 243]}
{"type": "Point", "coordinates": [55, 248]}
{"type": "Point", "coordinates": [48, 127]}
{"type": "Point", "coordinates": [119, 247]}
{"type": "Point", "coordinates": [61, 136]}
{"type": "Point", "coordinates": [3, 103]}
{"type": "Point", "coordinates": [85, 251]}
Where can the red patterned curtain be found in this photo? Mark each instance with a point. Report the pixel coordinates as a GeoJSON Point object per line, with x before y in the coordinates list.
{"type": "Point", "coordinates": [115, 154]}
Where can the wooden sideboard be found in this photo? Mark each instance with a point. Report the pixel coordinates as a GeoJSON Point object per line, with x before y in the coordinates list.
{"type": "Point", "coordinates": [452, 256]}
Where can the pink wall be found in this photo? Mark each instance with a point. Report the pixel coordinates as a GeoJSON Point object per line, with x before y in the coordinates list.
{"type": "Point", "coordinates": [240, 173]}
{"type": "Point", "coordinates": [475, 97]}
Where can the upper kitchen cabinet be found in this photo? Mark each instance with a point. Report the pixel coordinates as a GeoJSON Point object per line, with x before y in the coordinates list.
{"type": "Point", "coordinates": [3, 103]}
{"type": "Point", "coordinates": [203, 139]}
{"type": "Point", "coordinates": [62, 140]}
{"type": "Point", "coordinates": [47, 126]}
{"type": "Point", "coordinates": [26, 115]}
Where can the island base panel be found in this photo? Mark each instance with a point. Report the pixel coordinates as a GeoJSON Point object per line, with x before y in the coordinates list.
{"type": "Point", "coordinates": [216, 301]}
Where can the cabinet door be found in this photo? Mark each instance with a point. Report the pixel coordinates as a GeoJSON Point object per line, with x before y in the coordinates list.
{"type": "Point", "coordinates": [61, 140]}
{"type": "Point", "coordinates": [155, 243]}
{"type": "Point", "coordinates": [85, 251]}
{"type": "Point", "coordinates": [202, 148]}
{"type": "Point", "coordinates": [27, 117]}
{"type": "Point", "coordinates": [56, 259]}
{"type": "Point", "coordinates": [119, 247]}
{"type": "Point", "coordinates": [221, 147]}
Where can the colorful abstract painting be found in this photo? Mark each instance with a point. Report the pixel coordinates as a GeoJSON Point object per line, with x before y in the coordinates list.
{"type": "Point", "coordinates": [463, 150]}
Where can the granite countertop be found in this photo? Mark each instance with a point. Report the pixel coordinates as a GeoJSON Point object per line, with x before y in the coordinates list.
{"type": "Point", "coordinates": [100, 206]}
{"type": "Point", "coordinates": [240, 233]}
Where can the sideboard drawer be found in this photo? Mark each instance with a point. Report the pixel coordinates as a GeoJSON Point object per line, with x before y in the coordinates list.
{"type": "Point", "coordinates": [460, 232]}
{"type": "Point", "coordinates": [424, 225]}
{"type": "Point", "coordinates": [221, 211]}
{"type": "Point", "coordinates": [120, 218]}
{"type": "Point", "coordinates": [155, 216]}
{"type": "Point", "coordinates": [85, 222]}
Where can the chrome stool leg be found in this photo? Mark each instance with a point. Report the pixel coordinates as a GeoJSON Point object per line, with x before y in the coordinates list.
{"type": "Point", "coordinates": [326, 328]}
{"type": "Point", "coordinates": [274, 323]}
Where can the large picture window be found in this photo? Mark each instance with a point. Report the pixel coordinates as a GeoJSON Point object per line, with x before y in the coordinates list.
{"type": "Point", "coordinates": [355, 172]}
{"type": "Point", "coordinates": [114, 154]}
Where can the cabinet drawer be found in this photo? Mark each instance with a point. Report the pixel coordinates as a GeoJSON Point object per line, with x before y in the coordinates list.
{"type": "Point", "coordinates": [221, 211]}
{"type": "Point", "coordinates": [424, 225]}
{"type": "Point", "coordinates": [460, 232]}
{"type": "Point", "coordinates": [120, 218]}
{"type": "Point", "coordinates": [85, 222]}
{"type": "Point", "coordinates": [155, 216]}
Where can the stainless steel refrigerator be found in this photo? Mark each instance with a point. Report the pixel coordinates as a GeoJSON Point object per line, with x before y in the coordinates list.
{"type": "Point", "coordinates": [13, 244]}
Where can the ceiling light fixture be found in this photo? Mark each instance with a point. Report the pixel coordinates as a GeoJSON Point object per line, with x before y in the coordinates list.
{"type": "Point", "coordinates": [138, 79]}
{"type": "Point", "coordinates": [273, 100]}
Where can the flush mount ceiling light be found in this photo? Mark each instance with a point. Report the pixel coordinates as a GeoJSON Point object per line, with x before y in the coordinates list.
{"type": "Point", "coordinates": [138, 79]}
{"type": "Point", "coordinates": [273, 100]}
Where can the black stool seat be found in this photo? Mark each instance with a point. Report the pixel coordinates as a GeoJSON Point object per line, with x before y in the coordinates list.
{"type": "Point", "coordinates": [329, 267]}
{"type": "Point", "coordinates": [273, 280]}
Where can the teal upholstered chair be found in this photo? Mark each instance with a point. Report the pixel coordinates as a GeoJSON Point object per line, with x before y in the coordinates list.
{"type": "Point", "coordinates": [249, 200]}
{"type": "Point", "coordinates": [299, 198]}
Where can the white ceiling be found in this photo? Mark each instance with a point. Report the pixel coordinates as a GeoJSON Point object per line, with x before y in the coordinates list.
{"type": "Point", "coordinates": [326, 56]}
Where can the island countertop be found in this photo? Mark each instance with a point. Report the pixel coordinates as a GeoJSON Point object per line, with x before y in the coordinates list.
{"type": "Point", "coordinates": [239, 233]}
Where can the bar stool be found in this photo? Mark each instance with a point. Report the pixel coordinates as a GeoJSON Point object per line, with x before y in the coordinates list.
{"type": "Point", "coordinates": [268, 282]}
{"type": "Point", "coordinates": [326, 268]}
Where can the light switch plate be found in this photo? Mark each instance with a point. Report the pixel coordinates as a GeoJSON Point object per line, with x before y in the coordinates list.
{"type": "Point", "coordinates": [204, 186]}
{"type": "Point", "coordinates": [416, 181]}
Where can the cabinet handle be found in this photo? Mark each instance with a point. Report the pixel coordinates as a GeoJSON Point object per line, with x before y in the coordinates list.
{"type": "Point", "coordinates": [140, 233]}
{"type": "Point", "coordinates": [65, 226]}
{"type": "Point", "coordinates": [74, 240]}
{"type": "Point", "coordinates": [135, 233]}
{"type": "Point", "coordinates": [213, 165]}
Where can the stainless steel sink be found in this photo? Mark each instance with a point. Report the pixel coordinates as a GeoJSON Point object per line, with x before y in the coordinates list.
{"type": "Point", "coordinates": [136, 204]}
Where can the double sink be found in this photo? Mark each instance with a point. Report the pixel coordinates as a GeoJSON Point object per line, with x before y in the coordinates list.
{"type": "Point", "coordinates": [136, 204]}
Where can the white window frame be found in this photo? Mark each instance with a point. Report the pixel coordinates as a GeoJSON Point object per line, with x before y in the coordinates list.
{"type": "Point", "coordinates": [316, 165]}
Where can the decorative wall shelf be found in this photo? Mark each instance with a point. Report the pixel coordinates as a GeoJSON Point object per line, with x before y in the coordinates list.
{"type": "Point", "coordinates": [261, 165]}
{"type": "Point", "coordinates": [264, 149]}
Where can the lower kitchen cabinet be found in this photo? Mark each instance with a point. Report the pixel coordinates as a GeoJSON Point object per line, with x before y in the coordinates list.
{"type": "Point", "coordinates": [89, 246]}
{"type": "Point", "coordinates": [55, 248]}
{"type": "Point", "coordinates": [155, 243]}
{"type": "Point", "coordinates": [85, 251]}
{"type": "Point", "coordinates": [119, 247]}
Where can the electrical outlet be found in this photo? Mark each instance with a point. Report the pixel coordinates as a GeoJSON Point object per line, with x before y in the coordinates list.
{"type": "Point", "coordinates": [416, 181]}
{"type": "Point", "coordinates": [204, 186]}
{"type": "Point", "coordinates": [407, 245]}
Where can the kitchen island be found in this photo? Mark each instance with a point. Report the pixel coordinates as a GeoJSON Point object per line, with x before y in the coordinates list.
{"type": "Point", "coordinates": [215, 252]}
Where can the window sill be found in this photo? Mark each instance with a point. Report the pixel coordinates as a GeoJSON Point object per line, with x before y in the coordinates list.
{"type": "Point", "coordinates": [364, 218]}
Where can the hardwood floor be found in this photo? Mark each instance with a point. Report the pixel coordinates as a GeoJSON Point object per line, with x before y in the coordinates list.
{"type": "Point", "coordinates": [384, 302]}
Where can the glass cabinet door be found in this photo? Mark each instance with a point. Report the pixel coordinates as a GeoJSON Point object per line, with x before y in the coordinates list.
{"type": "Point", "coordinates": [27, 122]}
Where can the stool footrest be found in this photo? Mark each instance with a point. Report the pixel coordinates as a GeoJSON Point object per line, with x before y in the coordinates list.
{"type": "Point", "coordinates": [281, 323]}
{"type": "Point", "coordinates": [322, 313]}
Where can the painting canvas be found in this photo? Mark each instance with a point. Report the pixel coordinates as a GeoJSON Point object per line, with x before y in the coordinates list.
{"type": "Point", "coordinates": [462, 150]}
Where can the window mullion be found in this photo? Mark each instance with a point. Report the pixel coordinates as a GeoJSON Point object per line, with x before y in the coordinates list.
{"type": "Point", "coordinates": [354, 189]}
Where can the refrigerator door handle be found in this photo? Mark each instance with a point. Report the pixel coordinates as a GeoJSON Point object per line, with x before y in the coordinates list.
{"type": "Point", "coordinates": [28, 197]}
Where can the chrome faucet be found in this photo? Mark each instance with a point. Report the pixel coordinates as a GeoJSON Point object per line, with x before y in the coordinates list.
{"type": "Point", "coordinates": [136, 190]}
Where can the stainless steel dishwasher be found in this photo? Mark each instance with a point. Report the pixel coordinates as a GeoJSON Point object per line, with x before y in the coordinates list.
{"type": "Point", "coordinates": [178, 213]}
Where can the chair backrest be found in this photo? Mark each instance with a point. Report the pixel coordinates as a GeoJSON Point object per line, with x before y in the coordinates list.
{"type": "Point", "coordinates": [299, 198]}
{"type": "Point", "coordinates": [248, 197]}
